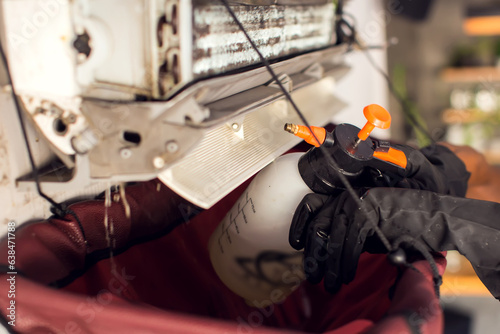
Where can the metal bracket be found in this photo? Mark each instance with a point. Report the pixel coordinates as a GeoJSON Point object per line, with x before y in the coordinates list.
{"type": "Point", "coordinates": [135, 139]}
{"type": "Point", "coordinates": [285, 81]}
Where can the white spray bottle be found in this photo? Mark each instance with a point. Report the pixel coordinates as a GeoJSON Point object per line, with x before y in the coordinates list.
{"type": "Point", "coordinates": [249, 249]}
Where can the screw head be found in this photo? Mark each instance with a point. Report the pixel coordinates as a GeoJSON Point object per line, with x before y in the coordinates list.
{"type": "Point", "coordinates": [125, 153]}
{"type": "Point", "coordinates": [172, 146]}
{"type": "Point", "coordinates": [158, 162]}
{"type": "Point", "coordinates": [71, 118]}
{"type": "Point", "coordinates": [235, 127]}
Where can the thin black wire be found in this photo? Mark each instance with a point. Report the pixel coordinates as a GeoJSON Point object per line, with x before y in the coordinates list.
{"type": "Point", "coordinates": [57, 208]}
{"type": "Point", "coordinates": [405, 108]}
{"type": "Point", "coordinates": [339, 11]}
{"type": "Point", "coordinates": [402, 101]}
{"type": "Point", "coordinates": [330, 160]}
{"type": "Point", "coordinates": [422, 249]}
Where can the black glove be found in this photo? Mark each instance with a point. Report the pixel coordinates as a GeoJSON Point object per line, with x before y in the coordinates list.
{"type": "Point", "coordinates": [434, 168]}
{"type": "Point", "coordinates": [334, 232]}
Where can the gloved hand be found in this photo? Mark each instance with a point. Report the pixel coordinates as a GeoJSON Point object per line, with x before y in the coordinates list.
{"type": "Point", "coordinates": [334, 231]}
{"type": "Point", "coordinates": [434, 168]}
{"type": "Point", "coordinates": [484, 182]}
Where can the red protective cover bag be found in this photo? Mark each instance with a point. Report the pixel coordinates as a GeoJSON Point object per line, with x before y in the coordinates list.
{"type": "Point", "coordinates": [160, 282]}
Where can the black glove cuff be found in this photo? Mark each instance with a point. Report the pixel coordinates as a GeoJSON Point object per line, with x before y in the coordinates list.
{"type": "Point", "coordinates": [451, 166]}
{"type": "Point", "coordinates": [435, 168]}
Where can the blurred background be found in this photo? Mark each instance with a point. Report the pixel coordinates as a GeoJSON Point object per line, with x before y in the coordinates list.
{"type": "Point", "coordinates": [444, 62]}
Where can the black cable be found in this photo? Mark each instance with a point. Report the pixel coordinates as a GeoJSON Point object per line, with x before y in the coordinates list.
{"type": "Point", "coordinates": [330, 160]}
{"type": "Point", "coordinates": [352, 39]}
{"type": "Point", "coordinates": [57, 208]}
{"type": "Point", "coordinates": [424, 251]}
{"type": "Point", "coordinates": [402, 101]}
{"type": "Point", "coordinates": [339, 11]}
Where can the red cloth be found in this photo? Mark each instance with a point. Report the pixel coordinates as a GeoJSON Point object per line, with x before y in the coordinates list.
{"type": "Point", "coordinates": [167, 285]}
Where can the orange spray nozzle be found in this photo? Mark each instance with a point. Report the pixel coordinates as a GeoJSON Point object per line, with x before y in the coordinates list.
{"type": "Point", "coordinates": [303, 132]}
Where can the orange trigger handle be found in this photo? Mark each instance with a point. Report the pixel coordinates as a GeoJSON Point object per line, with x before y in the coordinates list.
{"type": "Point", "coordinates": [376, 116]}
{"type": "Point", "coordinates": [392, 155]}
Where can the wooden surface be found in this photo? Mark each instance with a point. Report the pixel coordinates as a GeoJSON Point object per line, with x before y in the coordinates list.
{"type": "Point", "coordinates": [460, 279]}
{"type": "Point", "coordinates": [461, 116]}
{"type": "Point", "coordinates": [471, 74]}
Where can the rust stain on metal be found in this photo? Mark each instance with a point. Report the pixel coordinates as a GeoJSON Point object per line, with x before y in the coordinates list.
{"type": "Point", "coordinates": [278, 31]}
{"type": "Point", "coordinates": [4, 160]}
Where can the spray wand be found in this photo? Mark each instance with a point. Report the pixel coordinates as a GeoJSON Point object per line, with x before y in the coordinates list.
{"type": "Point", "coordinates": [352, 149]}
